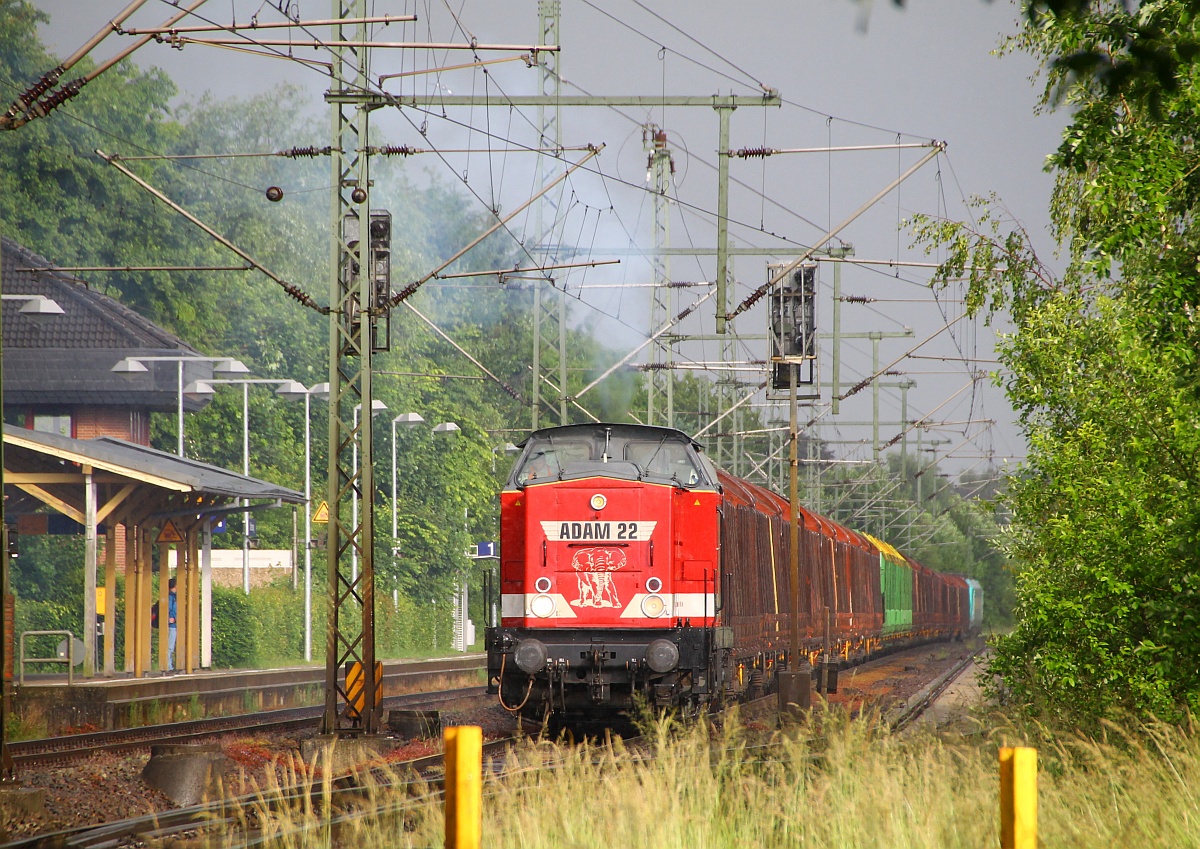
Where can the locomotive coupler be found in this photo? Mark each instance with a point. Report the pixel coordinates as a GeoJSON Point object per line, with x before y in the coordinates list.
{"type": "Point", "coordinates": [556, 670]}
{"type": "Point", "coordinates": [634, 667]}
{"type": "Point", "coordinates": [598, 684]}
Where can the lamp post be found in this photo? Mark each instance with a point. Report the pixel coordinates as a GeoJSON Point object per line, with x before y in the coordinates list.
{"type": "Point", "coordinates": [287, 389]}
{"type": "Point", "coordinates": [321, 392]}
{"type": "Point", "coordinates": [222, 366]}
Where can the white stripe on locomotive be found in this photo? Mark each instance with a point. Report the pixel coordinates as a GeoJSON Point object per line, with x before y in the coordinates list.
{"type": "Point", "coordinates": [681, 605]}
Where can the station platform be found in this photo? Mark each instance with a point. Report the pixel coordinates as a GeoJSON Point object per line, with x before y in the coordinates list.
{"type": "Point", "coordinates": [107, 704]}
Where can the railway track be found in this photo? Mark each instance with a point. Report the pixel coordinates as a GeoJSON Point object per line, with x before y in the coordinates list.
{"type": "Point", "coordinates": [74, 748]}
{"type": "Point", "coordinates": [905, 715]}
{"type": "Point", "coordinates": [216, 817]}
{"type": "Point", "coordinates": [229, 817]}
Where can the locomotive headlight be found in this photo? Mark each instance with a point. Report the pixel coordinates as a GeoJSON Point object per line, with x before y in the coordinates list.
{"type": "Point", "coordinates": [530, 656]}
{"type": "Point", "coordinates": [654, 585]}
{"type": "Point", "coordinates": [661, 655]}
{"type": "Point", "coordinates": [542, 584]}
{"type": "Point", "coordinates": [598, 501]}
{"type": "Point", "coordinates": [653, 606]}
{"type": "Point", "coordinates": [542, 606]}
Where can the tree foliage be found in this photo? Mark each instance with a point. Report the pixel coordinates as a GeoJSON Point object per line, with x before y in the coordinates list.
{"type": "Point", "coordinates": [1102, 371]}
{"type": "Point", "coordinates": [63, 201]}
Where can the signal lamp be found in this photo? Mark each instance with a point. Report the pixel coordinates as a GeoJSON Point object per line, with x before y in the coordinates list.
{"type": "Point", "coordinates": [653, 606]}
{"type": "Point", "coordinates": [542, 606]}
{"type": "Point", "coordinates": [274, 194]}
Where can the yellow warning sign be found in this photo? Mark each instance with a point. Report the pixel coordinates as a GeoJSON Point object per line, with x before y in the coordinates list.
{"type": "Point", "coordinates": [321, 517]}
{"type": "Point", "coordinates": [169, 533]}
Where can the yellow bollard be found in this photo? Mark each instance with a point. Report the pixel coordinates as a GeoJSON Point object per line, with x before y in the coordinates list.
{"type": "Point", "coordinates": [464, 786]}
{"type": "Point", "coordinates": [1018, 798]}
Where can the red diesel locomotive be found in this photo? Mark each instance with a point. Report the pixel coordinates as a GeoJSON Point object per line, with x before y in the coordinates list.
{"type": "Point", "coordinates": [631, 566]}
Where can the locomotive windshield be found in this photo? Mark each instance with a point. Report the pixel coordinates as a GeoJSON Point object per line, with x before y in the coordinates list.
{"type": "Point", "coordinates": [657, 455]}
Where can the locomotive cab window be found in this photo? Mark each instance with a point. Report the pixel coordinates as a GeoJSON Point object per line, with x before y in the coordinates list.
{"type": "Point", "coordinates": [625, 452]}
{"type": "Point", "coordinates": [664, 459]}
{"type": "Point", "coordinates": [545, 460]}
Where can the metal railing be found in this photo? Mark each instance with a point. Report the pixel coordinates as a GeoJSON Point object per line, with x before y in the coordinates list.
{"type": "Point", "coordinates": [66, 659]}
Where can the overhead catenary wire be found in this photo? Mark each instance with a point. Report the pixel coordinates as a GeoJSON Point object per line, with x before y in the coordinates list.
{"type": "Point", "coordinates": [256, 24]}
{"type": "Point", "coordinates": [604, 176]}
{"type": "Point", "coordinates": [294, 291]}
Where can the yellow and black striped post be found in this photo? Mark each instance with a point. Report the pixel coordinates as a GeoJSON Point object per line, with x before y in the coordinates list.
{"type": "Point", "coordinates": [464, 786]}
{"type": "Point", "coordinates": [1018, 798]}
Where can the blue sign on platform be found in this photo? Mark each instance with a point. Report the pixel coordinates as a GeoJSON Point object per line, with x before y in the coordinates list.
{"type": "Point", "coordinates": [487, 548]}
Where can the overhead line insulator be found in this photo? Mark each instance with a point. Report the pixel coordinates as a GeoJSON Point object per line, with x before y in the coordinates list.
{"type": "Point", "coordinates": [306, 152]}
{"type": "Point", "coordinates": [752, 152]}
{"type": "Point", "coordinates": [399, 150]}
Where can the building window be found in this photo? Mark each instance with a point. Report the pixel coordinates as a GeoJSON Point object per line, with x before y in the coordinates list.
{"type": "Point", "coordinates": [59, 423]}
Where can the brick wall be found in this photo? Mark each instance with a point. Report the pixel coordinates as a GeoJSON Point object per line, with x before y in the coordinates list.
{"type": "Point", "coordinates": [131, 425]}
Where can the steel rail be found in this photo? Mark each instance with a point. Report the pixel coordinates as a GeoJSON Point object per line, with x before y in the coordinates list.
{"type": "Point", "coordinates": [64, 750]}
{"type": "Point", "coordinates": [914, 707]}
{"type": "Point", "coordinates": [147, 829]}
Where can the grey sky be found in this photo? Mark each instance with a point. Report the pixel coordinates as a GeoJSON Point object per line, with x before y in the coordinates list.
{"type": "Point", "coordinates": [849, 77]}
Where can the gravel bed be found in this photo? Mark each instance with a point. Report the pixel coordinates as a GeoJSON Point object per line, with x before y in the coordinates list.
{"type": "Point", "coordinates": [109, 787]}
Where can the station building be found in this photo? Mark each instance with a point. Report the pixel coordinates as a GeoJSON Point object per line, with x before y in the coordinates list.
{"type": "Point", "coordinates": [77, 456]}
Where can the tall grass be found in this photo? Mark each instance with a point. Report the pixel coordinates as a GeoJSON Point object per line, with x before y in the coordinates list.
{"type": "Point", "coordinates": [848, 783]}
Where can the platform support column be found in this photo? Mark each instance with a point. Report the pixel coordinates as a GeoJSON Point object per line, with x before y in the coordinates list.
{"type": "Point", "coordinates": [206, 598]}
{"type": "Point", "coordinates": [110, 599]}
{"type": "Point", "coordinates": [193, 600]}
{"type": "Point", "coordinates": [183, 590]}
{"type": "Point", "coordinates": [90, 564]}
{"type": "Point", "coordinates": [133, 573]}
{"type": "Point", "coordinates": [145, 599]}
{"type": "Point", "coordinates": [164, 573]}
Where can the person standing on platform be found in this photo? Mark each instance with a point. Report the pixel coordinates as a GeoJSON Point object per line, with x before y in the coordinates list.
{"type": "Point", "coordinates": [172, 633]}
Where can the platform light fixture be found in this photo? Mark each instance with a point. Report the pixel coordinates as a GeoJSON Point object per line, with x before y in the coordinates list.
{"type": "Point", "coordinates": [37, 307]}
{"type": "Point", "coordinates": [222, 367]}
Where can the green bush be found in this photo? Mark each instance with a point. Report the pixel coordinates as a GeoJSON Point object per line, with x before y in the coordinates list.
{"type": "Point", "coordinates": [278, 614]}
{"type": "Point", "coordinates": [235, 634]}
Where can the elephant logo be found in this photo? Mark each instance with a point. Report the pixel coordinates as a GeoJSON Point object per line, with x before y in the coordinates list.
{"type": "Point", "coordinates": [593, 572]}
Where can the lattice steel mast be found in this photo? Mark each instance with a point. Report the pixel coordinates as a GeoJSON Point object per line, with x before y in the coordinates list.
{"type": "Point", "coordinates": [549, 304]}
{"type": "Point", "coordinates": [660, 388]}
{"type": "Point", "coordinates": [350, 639]}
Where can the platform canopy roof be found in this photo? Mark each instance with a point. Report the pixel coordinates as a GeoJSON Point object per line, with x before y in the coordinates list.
{"type": "Point", "coordinates": [50, 468]}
